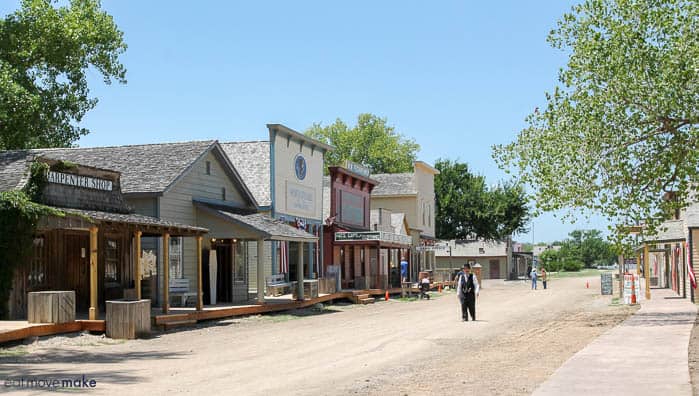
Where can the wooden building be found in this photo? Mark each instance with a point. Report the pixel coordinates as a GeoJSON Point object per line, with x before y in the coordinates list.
{"type": "Point", "coordinates": [90, 248]}
{"type": "Point", "coordinates": [183, 183]}
{"type": "Point", "coordinates": [360, 242]}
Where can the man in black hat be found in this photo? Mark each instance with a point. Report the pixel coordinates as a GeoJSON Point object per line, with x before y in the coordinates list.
{"type": "Point", "coordinates": [467, 289]}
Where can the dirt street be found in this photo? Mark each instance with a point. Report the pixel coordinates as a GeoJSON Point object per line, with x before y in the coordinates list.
{"type": "Point", "coordinates": [392, 347]}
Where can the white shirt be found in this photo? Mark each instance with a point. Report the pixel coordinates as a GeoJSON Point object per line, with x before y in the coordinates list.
{"type": "Point", "coordinates": [463, 277]}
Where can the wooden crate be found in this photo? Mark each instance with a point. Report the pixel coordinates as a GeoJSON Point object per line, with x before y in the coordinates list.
{"type": "Point", "coordinates": [51, 307]}
{"type": "Point", "coordinates": [128, 319]}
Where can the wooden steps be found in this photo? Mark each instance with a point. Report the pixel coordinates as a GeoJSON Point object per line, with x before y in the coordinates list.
{"type": "Point", "coordinates": [178, 323]}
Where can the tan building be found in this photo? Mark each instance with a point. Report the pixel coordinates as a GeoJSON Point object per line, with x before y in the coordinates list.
{"type": "Point", "coordinates": [413, 195]}
{"type": "Point", "coordinates": [285, 175]}
{"type": "Point", "coordinates": [492, 256]}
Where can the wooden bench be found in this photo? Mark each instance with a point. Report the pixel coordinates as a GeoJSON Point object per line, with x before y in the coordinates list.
{"type": "Point", "coordinates": [180, 288]}
{"type": "Point", "coordinates": [276, 282]}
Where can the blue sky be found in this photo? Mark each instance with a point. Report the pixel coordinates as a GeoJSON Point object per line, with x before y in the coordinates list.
{"type": "Point", "coordinates": [458, 76]}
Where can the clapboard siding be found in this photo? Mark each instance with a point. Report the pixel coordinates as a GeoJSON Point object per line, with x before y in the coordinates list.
{"type": "Point", "coordinates": [144, 206]}
{"type": "Point", "coordinates": [176, 204]}
{"type": "Point", "coordinates": [252, 264]}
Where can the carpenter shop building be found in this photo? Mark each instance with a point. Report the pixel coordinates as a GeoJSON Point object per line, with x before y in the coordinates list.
{"type": "Point", "coordinates": [163, 197]}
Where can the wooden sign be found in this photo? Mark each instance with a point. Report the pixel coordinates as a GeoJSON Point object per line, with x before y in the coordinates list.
{"type": "Point", "coordinates": [79, 181]}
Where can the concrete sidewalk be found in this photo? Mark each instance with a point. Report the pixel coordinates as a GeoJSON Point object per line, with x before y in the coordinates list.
{"type": "Point", "coordinates": [645, 355]}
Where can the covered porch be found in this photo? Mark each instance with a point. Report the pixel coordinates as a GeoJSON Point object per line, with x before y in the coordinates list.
{"type": "Point", "coordinates": [260, 230]}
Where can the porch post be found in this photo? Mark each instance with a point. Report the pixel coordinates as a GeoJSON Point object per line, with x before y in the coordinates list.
{"type": "Point", "coordinates": [261, 271]}
{"type": "Point", "coordinates": [137, 264]}
{"type": "Point", "coordinates": [92, 313]}
{"type": "Point", "coordinates": [646, 269]}
{"type": "Point", "coordinates": [357, 266]}
{"type": "Point", "coordinates": [200, 294]}
{"type": "Point", "coordinates": [166, 273]}
{"type": "Point", "coordinates": [299, 273]}
{"type": "Point", "coordinates": [367, 266]}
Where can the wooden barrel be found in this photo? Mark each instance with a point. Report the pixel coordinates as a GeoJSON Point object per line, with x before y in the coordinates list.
{"type": "Point", "coordinates": [128, 319]}
{"type": "Point", "coordinates": [51, 307]}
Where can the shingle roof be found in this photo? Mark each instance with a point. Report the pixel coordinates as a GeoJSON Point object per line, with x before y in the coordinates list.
{"type": "Point", "coordinates": [268, 227]}
{"type": "Point", "coordinates": [135, 219]}
{"type": "Point", "coordinates": [394, 184]}
{"type": "Point", "coordinates": [148, 168]}
{"type": "Point", "coordinates": [691, 215]}
{"type": "Point", "coordinates": [14, 169]}
{"type": "Point", "coordinates": [670, 230]}
{"type": "Point", "coordinates": [251, 160]}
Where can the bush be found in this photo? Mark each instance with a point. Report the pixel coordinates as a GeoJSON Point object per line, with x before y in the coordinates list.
{"type": "Point", "coordinates": [572, 265]}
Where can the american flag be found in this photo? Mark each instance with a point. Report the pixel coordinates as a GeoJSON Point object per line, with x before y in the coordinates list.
{"type": "Point", "coordinates": [284, 257]}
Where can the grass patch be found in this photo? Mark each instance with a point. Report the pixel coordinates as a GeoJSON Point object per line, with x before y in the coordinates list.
{"type": "Point", "coordinates": [581, 273]}
{"type": "Point", "coordinates": [615, 301]}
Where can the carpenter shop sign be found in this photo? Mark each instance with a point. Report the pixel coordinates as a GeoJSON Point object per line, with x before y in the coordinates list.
{"type": "Point", "coordinates": [79, 181]}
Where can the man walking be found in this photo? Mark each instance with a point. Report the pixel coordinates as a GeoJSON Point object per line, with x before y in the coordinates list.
{"type": "Point", "coordinates": [467, 289]}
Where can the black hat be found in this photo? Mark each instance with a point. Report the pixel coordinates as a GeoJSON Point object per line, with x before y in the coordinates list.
{"type": "Point", "coordinates": [467, 265]}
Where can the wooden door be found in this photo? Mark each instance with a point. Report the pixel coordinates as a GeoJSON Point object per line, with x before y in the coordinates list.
{"type": "Point", "coordinates": [494, 269]}
{"type": "Point", "coordinates": [224, 275]}
{"type": "Point", "coordinates": [77, 253]}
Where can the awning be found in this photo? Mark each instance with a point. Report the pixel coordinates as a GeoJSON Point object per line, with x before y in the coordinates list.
{"type": "Point", "coordinates": [82, 219]}
{"type": "Point", "coordinates": [263, 225]}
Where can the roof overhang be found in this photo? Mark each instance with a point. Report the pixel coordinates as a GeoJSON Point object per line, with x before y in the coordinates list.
{"type": "Point", "coordinates": [80, 219]}
{"type": "Point", "coordinates": [300, 137]}
{"type": "Point", "coordinates": [262, 225]}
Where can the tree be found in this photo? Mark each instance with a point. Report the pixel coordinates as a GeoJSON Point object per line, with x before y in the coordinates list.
{"type": "Point", "coordinates": [45, 53]}
{"type": "Point", "coordinates": [588, 247]}
{"type": "Point", "coordinates": [621, 129]}
{"type": "Point", "coordinates": [468, 209]}
{"type": "Point", "coordinates": [372, 143]}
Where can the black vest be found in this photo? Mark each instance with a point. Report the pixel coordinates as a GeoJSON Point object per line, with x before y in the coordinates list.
{"type": "Point", "coordinates": [468, 287]}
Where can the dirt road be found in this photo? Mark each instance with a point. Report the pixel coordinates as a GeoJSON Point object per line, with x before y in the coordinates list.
{"type": "Point", "coordinates": [392, 347]}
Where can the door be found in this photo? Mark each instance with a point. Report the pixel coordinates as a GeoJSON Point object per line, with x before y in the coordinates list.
{"type": "Point", "coordinates": [224, 276]}
{"type": "Point", "coordinates": [77, 253]}
{"type": "Point", "coordinates": [494, 269]}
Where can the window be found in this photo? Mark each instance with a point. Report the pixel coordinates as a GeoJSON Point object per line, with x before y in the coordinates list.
{"type": "Point", "coordinates": [37, 269]}
{"type": "Point", "coordinates": [241, 261]}
{"type": "Point", "coordinates": [111, 261]}
{"type": "Point", "coordinates": [208, 167]}
{"type": "Point", "coordinates": [481, 250]}
{"type": "Point", "coordinates": [176, 264]}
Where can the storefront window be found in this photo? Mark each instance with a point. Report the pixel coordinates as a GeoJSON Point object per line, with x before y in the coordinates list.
{"type": "Point", "coordinates": [111, 261]}
{"type": "Point", "coordinates": [176, 264]}
{"type": "Point", "coordinates": [241, 260]}
{"type": "Point", "coordinates": [37, 270]}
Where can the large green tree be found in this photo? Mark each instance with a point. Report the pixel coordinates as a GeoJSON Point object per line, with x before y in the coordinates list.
{"type": "Point", "coordinates": [371, 142]}
{"type": "Point", "coordinates": [46, 51]}
{"type": "Point", "coordinates": [588, 247]}
{"type": "Point", "coordinates": [467, 208]}
{"type": "Point", "coordinates": [621, 128]}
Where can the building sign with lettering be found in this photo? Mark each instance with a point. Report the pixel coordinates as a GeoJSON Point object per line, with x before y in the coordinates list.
{"type": "Point", "coordinates": [300, 199]}
{"type": "Point", "coordinates": [358, 169]}
{"type": "Point", "coordinates": [372, 236]}
{"type": "Point", "coordinates": [80, 181]}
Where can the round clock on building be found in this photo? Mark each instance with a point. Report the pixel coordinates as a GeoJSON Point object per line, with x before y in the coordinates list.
{"type": "Point", "coordinates": [300, 167]}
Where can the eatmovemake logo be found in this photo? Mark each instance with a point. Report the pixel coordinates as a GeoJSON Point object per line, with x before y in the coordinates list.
{"type": "Point", "coordinates": [51, 383]}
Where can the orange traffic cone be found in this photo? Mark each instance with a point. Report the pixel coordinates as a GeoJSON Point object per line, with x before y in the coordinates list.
{"type": "Point", "coordinates": [633, 291]}
{"type": "Point", "coordinates": [587, 285]}
{"type": "Point", "coordinates": [386, 295]}
{"type": "Point", "coordinates": [440, 288]}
